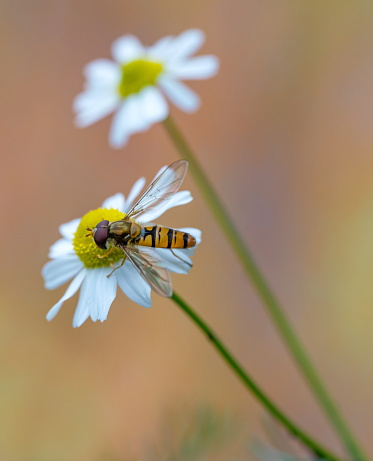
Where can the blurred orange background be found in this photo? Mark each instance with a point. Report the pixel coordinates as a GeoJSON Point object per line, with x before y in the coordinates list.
{"type": "Point", "coordinates": [285, 135]}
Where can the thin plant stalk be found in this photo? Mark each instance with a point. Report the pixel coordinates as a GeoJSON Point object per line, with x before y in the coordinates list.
{"type": "Point", "coordinates": [271, 303]}
{"type": "Point", "coordinates": [246, 379]}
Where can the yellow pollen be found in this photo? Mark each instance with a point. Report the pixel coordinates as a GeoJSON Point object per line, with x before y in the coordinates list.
{"type": "Point", "coordinates": [138, 74]}
{"type": "Point", "coordinates": [85, 247]}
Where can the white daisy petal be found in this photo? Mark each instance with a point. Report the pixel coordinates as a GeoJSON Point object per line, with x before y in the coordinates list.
{"type": "Point", "coordinates": [154, 106]}
{"type": "Point", "coordinates": [71, 290]}
{"type": "Point", "coordinates": [87, 300]}
{"type": "Point", "coordinates": [127, 120]}
{"type": "Point", "coordinates": [180, 198]}
{"type": "Point", "coordinates": [93, 105]}
{"type": "Point", "coordinates": [61, 248]}
{"type": "Point", "coordinates": [189, 251]}
{"type": "Point", "coordinates": [58, 271]}
{"type": "Point", "coordinates": [119, 131]}
{"type": "Point", "coordinates": [196, 68]}
{"type": "Point", "coordinates": [117, 202]}
{"type": "Point", "coordinates": [81, 313]}
{"type": "Point", "coordinates": [96, 295]}
{"type": "Point", "coordinates": [159, 172]}
{"type": "Point", "coordinates": [187, 43]}
{"type": "Point", "coordinates": [88, 99]}
{"type": "Point", "coordinates": [68, 229]}
{"type": "Point", "coordinates": [161, 48]}
{"type": "Point", "coordinates": [133, 285]}
{"type": "Point", "coordinates": [135, 191]}
{"type": "Point", "coordinates": [102, 73]}
{"type": "Point", "coordinates": [176, 261]}
{"type": "Point", "coordinates": [106, 290]}
{"type": "Point", "coordinates": [180, 95]}
{"type": "Point", "coordinates": [126, 48]}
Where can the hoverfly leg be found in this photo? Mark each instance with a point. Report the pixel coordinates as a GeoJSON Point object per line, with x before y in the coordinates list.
{"type": "Point", "coordinates": [181, 259]}
{"type": "Point", "coordinates": [120, 265]}
{"type": "Point", "coordinates": [106, 254]}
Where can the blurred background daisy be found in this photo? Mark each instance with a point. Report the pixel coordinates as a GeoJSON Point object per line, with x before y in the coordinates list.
{"type": "Point", "coordinates": [135, 84]}
{"type": "Point", "coordinates": [283, 131]}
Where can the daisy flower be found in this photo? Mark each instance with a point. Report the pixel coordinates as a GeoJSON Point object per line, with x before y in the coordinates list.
{"type": "Point", "coordinates": [135, 84]}
{"type": "Point", "coordinates": [75, 257]}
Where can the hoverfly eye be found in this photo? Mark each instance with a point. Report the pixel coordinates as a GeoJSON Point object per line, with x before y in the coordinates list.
{"type": "Point", "coordinates": [101, 234]}
{"type": "Point", "coordinates": [104, 223]}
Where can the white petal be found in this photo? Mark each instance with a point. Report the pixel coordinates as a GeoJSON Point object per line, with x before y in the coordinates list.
{"type": "Point", "coordinates": [92, 105]}
{"type": "Point", "coordinates": [160, 172]}
{"type": "Point", "coordinates": [161, 48]}
{"type": "Point", "coordinates": [133, 285]}
{"type": "Point", "coordinates": [68, 229]}
{"type": "Point", "coordinates": [81, 314]}
{"type": "Point", "coordinates": [127, 120]}
{"type": "Point", "coordinates": [116, 202]}
{"type": "Point", "coordinates": [87, 298]}
{"type": "Point", "coordinates": [126, 48]}
{"type": "Point", "coordinates": [196, 68]}
{"type": "Point", "coordinates": [96, 295]}
{"type": "Point", "coordinates": [180, 95]}
{"type": "Point", "coordinates": [137, 113]}
{"type": "Point", "coordinates": [58, 271]}
{"type": "Point", "coordinates": [137, 119]}
{"type": "Point", "coordinates": [154, 105]}
{"type": "Point", "coordinates": [119, 130]}
{"type": "Point", "coordinates": [187, 43]}
{"type": "Point", "coordinates": [61, 248]}
{"type": "Point", "coordinates": [89, 99]}
{"type": "Point", "coordinates": [135, 191]}
{"type": "Point", "coordinates": [197, 233]}
{"type": "Point", "coordinates": [106, 290]}
{"type": "Point", "coordinates": [188, 251]}
{"type": "Point", "coordinates": [71, 290]}
{"type": "Point", "coordinates": [102, 73]}
{"type": "Point", "coordinates": [180, 198]}
{"type": "Point", "coordinates": [180, 264]}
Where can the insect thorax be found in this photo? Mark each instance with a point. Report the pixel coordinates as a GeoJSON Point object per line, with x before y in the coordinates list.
{"type": "Point", "coordinates": [123, 231]}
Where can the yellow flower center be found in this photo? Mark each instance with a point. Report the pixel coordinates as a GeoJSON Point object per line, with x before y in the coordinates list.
{"type": "Point", "coordinates": [138, 74]}
{"type": "Point", "coordinates": [85, 247]}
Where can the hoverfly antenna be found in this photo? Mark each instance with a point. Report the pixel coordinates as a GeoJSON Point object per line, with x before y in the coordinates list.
{"type": "Point", "coordinates": [90, 232]}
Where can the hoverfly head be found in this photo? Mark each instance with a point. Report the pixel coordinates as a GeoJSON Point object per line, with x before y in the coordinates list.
{"type": "Point", "coordinates": [100, 234]}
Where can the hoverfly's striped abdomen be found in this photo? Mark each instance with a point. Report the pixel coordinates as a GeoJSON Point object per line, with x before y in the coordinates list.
{"type": "Point", "coordinates": [163, 237]}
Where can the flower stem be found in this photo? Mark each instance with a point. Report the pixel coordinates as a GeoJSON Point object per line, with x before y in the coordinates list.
{"type": "Point", "coordinates": [316, 449]}
{"type": "Point", "coordinates": [272, 305]}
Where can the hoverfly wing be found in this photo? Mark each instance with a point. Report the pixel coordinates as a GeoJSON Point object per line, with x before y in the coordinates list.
{"type": "Point", "coordinates": [151, 268]}
{"type": "Point", "coordinates": [161, 190]}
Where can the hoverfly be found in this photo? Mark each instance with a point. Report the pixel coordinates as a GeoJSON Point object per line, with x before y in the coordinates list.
{"type": "Point", "coordinates": [138, 242]}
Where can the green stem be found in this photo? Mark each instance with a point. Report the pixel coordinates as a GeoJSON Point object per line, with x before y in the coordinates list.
{"type": "Point", "coordinates": [272, 305]}
{"type": "Point", "coordinates": [316, 449]}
